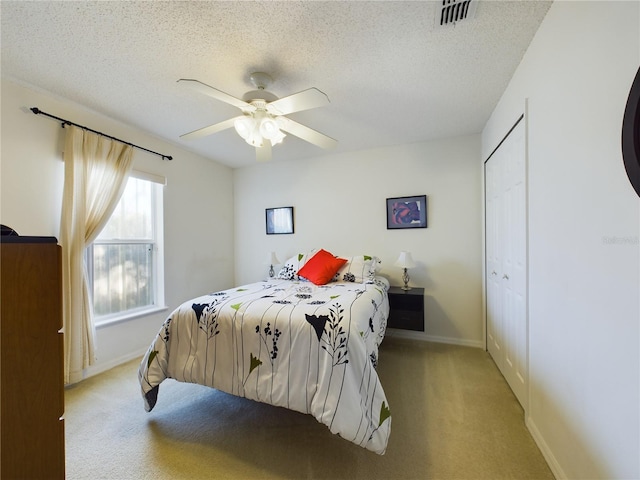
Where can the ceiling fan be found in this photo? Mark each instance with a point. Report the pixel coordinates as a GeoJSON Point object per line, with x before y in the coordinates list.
{"type": "Point", "coordinates": [263, 122]}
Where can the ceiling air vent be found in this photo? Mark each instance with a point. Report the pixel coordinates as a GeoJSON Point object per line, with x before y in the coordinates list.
{"type": "Point", "coordinates": [451, 12]}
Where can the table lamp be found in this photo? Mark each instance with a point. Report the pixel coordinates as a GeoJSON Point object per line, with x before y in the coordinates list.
{"type": "Point", "coordinates": [271, 261]}
{"type": "Point", "coordinates": [405, 261]}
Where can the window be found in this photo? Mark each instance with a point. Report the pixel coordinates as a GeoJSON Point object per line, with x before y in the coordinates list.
{"type": "Point", "coordinates": [125, 262]}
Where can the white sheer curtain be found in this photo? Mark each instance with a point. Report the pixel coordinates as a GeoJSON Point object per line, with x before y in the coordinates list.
{"type": "Point", "coordinates": [95, 174]}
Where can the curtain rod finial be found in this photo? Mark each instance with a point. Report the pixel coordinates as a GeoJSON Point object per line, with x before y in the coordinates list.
{"type": "Point", "coordinates": [35, 110]}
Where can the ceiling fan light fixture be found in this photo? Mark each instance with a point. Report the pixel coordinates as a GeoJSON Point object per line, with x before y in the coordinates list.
{"type": "Point", "coordinates": [269, 128]}
{"type": "Point", "coordinates": [244, 126]}
{"type": "Point", "coordinates": [277, 138]}
{"type": "Point", "coordinates": [249, 129]}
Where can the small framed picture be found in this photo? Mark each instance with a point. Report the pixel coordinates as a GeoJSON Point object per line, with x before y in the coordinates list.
{"type": "Point", "coordinates": [407, 212]}
{"type": "Point", "coordinates": [279, 220]}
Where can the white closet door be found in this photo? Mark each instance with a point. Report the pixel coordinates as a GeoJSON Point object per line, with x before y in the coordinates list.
{"type": "Point", "coordinates": [506, 258]}
{"type": "Point", "coordinates": [493, 209]}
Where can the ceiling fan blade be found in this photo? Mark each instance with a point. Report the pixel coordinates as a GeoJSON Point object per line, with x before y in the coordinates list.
{"type": "Point", "coordinates": [305, 100]}
{"type": "Point", "coordinates": [263, 153]}
{"type": "Point", "coordinates": [205, 89]}
{"type": "Point", "coordinates": [307, 134]}
{"type": "Point", "coordinates": [211, 129]}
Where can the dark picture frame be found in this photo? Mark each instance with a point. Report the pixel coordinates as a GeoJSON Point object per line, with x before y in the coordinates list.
{"type": "Point", "coordinates": [631, 135]}
{"type": "Point", "coordinates": [279, 221]}
{"type": "Point", "coordinates": [407, 212]}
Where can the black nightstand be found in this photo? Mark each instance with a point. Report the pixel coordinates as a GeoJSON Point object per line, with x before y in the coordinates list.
{"type": "Point", "coordinates": [406, 308]}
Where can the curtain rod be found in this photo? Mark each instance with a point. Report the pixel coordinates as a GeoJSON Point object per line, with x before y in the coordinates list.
{"type": "Point", "coordinates": [37, 111]}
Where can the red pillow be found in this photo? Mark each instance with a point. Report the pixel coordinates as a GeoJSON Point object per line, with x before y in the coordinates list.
{"type": "Point", "coordinates": [321, 268]}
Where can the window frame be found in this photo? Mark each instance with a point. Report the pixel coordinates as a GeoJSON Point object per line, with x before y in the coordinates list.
{"type": "Point", "coordinates": [157, 257]}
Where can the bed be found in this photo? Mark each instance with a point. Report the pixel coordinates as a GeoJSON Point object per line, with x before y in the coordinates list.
{"type": "Point", "coordinates": [304, 340]}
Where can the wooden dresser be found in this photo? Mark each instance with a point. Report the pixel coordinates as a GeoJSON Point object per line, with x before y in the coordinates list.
{"type": "Point", "coordinates": [31, 359]}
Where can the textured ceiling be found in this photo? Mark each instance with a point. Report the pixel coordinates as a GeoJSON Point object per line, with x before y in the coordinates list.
{"type": "Point", "coordinates": [392, 76]}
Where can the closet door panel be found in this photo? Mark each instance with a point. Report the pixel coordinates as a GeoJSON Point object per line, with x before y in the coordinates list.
{"type": "Point", "coordinates": [506, 254]}
{"type": "Point", "coordinates": [516, 267]}
{"type": "Point", "coordinates": [493, 265]}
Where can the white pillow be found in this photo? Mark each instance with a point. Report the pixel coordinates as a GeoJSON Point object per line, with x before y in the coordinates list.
{"type": "Point", "coordinates": [358, 269]}
{"type": "Point", "coordinates": [289, 270]}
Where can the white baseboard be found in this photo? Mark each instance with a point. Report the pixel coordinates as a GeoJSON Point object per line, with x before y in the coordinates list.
{"type": "Point", "coordinates": [411, 334]}
{"type": "Point", "coordinates": [456, 341]}
{"type": "Point", "coordinates": [103, 367]}
{"type": "Point", "coordinates": [555, 467]}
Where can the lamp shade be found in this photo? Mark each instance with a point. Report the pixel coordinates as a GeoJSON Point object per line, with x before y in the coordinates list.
{"type": "Point", "coordinates": [405, 260]}
{"type": "Point", "coordinates": [272, 259]}
{"type": "Point", "coordinates": [269, 128]}
{"type": "Point", "coordinates": [244, 126]}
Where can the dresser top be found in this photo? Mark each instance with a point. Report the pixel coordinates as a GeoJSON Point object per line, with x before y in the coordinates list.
{"type": "Point", "coordinates": [19, 239]}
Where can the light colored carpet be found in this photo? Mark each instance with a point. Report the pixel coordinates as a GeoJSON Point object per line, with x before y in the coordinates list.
{"type": "Point", "coordinates": [454, 417]}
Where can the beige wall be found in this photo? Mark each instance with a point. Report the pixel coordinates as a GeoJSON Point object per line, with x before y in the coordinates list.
{"type": "Point", "coordinates": [340, 205]}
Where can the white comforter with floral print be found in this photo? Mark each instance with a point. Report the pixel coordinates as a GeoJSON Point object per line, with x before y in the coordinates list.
{"type": "Point", "coordinates": [293, 344]}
